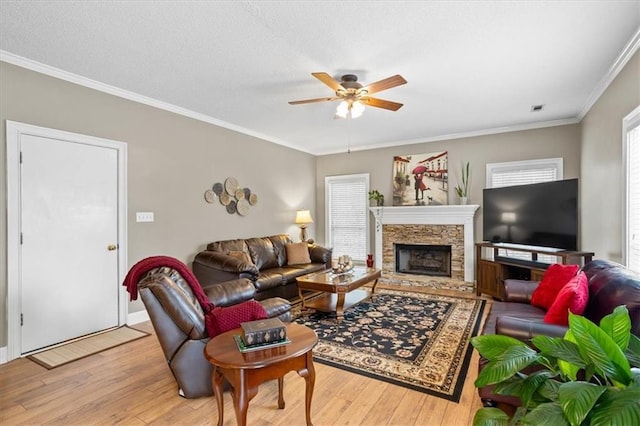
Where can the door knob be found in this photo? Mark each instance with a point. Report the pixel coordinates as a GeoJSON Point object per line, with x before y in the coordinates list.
{"type": "Point", "coordinates": [112, 247]}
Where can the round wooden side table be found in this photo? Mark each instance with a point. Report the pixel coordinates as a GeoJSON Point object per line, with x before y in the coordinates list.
{"type": "Point", "coordinates": [245, 371]}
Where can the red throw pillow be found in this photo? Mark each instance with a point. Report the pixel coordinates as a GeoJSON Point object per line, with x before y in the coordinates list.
{"type": "Point", "coordinates": [221, 319]}
{"type": "Point", "coordinates": [554, 279]}
{"type": "Point", "coordinates": [572, 297]}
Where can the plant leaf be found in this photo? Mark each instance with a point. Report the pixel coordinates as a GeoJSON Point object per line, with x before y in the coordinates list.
{"type": "Point", "coordinates": [510, 387]}
{"type": "Point", "coordinates": [490, 416]}
{"type": "Point", "coordinates": [560, 348]}
{"type": "Point", "coordinates": [633, 351]}
{"type": "Point", "coordinates": [548, 414]}
{"type": "Point", "coordinates": [505, 366]}
{"type": "Point", "coordinates": [492, 346]}
{"type": "Point", "coordinates": [600, 349]}
{"type": "Point", "coordinates": [617, 407]}
{"type": "Point", "coordinates": [577, 399]}
{"type": "Point", "coordinates": [549, 390]}
{"type": "Point", "coordinates": [618, 326]}
{"type": "Point", "coordinates": [531, 384]}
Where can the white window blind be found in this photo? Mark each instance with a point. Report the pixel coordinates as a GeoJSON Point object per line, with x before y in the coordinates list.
{"type": "Point", "coordinates": [524, 173]}
{"type": "Point", "coordinates": [347, 215]}
{"type": "Point", "coordinates": [631, 236]}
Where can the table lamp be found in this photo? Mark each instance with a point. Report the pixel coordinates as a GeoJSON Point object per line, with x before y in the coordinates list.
{"type": "Point", "coordinates": [303, 217]}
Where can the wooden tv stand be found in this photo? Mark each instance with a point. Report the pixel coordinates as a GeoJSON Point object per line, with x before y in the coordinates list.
{"type": "Point", "coordinates": [492, 269]}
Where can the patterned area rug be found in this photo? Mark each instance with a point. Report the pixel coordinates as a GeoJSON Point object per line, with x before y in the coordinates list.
{"type": "Point", "coordinates": [419, 341]}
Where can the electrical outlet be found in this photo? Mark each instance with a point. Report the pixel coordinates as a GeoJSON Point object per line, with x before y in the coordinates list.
{"type": "Point", "coordinates": [144, 216]}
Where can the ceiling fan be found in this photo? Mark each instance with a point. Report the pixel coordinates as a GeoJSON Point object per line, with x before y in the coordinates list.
{"type": "Point", "coordinates": [355, 96]}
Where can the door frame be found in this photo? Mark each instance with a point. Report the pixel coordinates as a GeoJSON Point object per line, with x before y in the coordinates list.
{"type": "Point", "coordinates": [15, 130]}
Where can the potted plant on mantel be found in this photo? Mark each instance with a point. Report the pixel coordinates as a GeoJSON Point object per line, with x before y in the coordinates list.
{"type": "Point", "coordinates": [463, 190]}
{"type": "Point", "coordinates": [589, 377]}
{"type": "Point", "coordinates": [377, 197]}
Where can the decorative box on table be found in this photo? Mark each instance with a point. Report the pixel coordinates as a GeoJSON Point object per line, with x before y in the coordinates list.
{"type": "Point", "coordinates": [263, 331]}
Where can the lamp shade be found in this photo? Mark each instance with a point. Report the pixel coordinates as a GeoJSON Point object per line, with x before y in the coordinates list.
{"type": "Point", "coordinates": [303, 217]}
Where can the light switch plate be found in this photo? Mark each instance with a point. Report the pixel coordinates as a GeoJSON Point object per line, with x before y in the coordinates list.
{"type": "Point", "coordinates": [144, 216]}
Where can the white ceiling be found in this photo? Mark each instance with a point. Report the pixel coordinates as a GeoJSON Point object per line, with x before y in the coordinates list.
{"type": "Point", "coordinates": [473, 67]}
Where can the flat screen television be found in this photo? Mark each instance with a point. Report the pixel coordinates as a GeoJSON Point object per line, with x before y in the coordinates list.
{"type": "Point", "coordinates": [541, 214]}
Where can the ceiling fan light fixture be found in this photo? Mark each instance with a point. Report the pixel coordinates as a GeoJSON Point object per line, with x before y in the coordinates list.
{"type": "Point", "coordinates": [343, 109]}
{"type": "Point", "coordinates": [354, 109]}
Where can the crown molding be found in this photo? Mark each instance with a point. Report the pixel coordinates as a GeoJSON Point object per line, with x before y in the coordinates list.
{"type": "Point", "coordinates": [470, 134]}
{"type": "Point", "coordinates": [625, 55]}
{"type": "Point", "coordinates": [125, 94]}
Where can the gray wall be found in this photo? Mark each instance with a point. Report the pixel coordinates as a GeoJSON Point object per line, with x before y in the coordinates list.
{"type": "Point", "coordinates": [172, 160]}
{"type": "Point", "coordinates": [551, 142]}
{"type": "Point", "coordinates": [602, 176]}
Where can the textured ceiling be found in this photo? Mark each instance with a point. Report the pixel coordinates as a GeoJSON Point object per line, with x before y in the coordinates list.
{"type": "Point", "coordinates": [472, 67]}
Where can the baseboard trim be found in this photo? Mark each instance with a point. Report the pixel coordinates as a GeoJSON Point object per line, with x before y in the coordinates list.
{"type": "Point", "coordinates": [3, 355]}
{"type": "Point", "coordinates": [137, 317]}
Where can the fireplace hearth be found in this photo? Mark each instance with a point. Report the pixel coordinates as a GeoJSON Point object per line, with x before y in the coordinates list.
{"type": "Point", "coordinates": [423, 259]}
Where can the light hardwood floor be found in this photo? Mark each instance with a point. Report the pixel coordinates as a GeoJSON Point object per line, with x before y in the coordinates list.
{"type": "Point", "coordinates": [131, 384]}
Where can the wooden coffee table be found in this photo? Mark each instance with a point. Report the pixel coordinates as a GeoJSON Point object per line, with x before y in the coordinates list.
{"type": "Point", "coordinates": [342, 291]}
{"type": "Point", "coordinates": [245, 371]}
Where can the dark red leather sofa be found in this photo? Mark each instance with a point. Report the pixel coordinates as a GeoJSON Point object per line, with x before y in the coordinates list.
{"type": "Point", "coordinates": [610, 285]}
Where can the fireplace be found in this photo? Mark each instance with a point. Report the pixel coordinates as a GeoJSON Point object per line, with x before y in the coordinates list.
{"type": "Point", "coordinates": [434, 225]}
{"type": "Point", "coordinates": [423, 259]}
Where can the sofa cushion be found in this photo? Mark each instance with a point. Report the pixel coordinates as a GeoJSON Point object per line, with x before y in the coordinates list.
{"type": "Point", "coordinates": [297, 253]}
{"type": "Point", "coordinates": [279, 242]}
{"type": "Point", "coordinates": [242, 256]}
{"type": "Point", "coordinates": [269, 278]}
{"type": "Point", "coordinates": [572, 297]}
{"type": "Point", "coordinates": [262, 253]}
{"type": "Point", "coordinates": [554, 279]}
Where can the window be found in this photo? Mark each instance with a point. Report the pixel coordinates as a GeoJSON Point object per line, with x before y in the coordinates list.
{"type": "Point", "coordinates": [523, 173]}
{"type": "Point", "coordinates": [347, 213]}
{"type": "Point", "coordinates": [631, 160]}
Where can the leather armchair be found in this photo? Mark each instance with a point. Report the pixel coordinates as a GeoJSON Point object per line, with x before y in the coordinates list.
{"type": "Point", "coordinates": [178, 321]}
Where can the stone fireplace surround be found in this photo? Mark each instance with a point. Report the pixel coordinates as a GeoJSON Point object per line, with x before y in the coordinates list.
{"type": "Point", "coordinates": [451, 224]}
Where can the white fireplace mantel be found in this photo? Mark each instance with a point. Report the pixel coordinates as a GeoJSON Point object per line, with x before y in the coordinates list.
{"type": "Point", "coordinates": [429, 215]}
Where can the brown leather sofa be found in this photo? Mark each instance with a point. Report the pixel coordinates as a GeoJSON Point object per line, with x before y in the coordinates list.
{"type": "Point", "coordinates": [178, 321]}
{"type": "Point", "coordinates": [610, 285]}
{"type": "Point", "coordinates": [262, 260]}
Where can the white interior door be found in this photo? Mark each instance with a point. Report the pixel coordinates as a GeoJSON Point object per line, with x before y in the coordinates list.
{"type": "Point", "coordinates": [69, 225]}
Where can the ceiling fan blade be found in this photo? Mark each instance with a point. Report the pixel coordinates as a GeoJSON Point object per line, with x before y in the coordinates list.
{"type": "Point", "coordinates": [310, 101]}
{"type": "Point", "coordinates": [381, 103]}
{"type": "Point", "coordinates": [328, 80]}
{"type": "Point", "coordinates": [387, 83]}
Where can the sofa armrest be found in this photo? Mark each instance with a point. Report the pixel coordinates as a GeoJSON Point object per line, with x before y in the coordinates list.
{"type": "Point", "coordinates": [527, 329]}
{"type": "Point", "coordinates": [230, 292]}
{"type": "Point", "coordinates": [319, 254]}
{"type": "Point", "coordinates": [519, 290]}
{"type": "Point", "coordinates": [215, 267]}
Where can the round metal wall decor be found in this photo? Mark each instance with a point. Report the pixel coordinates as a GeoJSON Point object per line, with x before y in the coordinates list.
{"type": "Point", "coordinates": [243, 207]}
{"type": "Point", "coordinates": [230, 185]}
{"type": "Point", "coordinates": [225, 199]}
{"type": "Point", "coordinates": [231, 207]}
{"type": "Point", "coordinates": [218, 188]}
{"type": "Point", "coordinates": [232, 196]}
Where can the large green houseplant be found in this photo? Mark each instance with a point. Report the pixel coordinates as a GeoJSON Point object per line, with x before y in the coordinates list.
{"type": "Point", "coordinates": [588, 377]}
